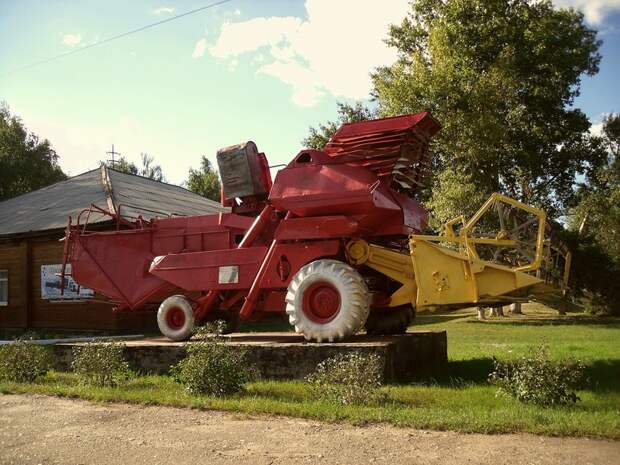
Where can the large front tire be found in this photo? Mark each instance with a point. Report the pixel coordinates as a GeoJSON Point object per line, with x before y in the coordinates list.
{"type": "Point", "coordinates": [327, 300]}
{"type": "Point", "coordinates": [175, 318]}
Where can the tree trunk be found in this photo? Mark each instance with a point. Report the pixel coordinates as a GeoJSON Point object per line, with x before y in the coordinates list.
{"type": "Point", "coordinates": [497, 311]}
{"type": "Point", "coordinates": [562, 308]}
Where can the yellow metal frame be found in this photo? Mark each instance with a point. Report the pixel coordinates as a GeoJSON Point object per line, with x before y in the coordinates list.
{"type": "Point", "coordinates": [464, 239]}
{"type": "Point", "coordinates": [433, 275]}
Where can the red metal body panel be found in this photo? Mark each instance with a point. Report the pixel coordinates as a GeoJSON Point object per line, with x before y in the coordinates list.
{"type": "Point", "coordinates": [293, 256]}
{"type": "Point", "coordinates": [122, 275]}
{"type": "Point", "coordinates": [394, 148]}
{"type": "Point", "coordinates": [117, 263]}
{"type": "Point", "coordinates": [321, 227]}
{"type": "Point", "coordinates": [314, 186]}
{"type": "Point", "coordinates": [199, 271]}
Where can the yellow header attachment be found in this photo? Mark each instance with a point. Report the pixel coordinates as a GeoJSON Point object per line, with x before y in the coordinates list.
{"type": "Point", "coordinates": [472, 266]}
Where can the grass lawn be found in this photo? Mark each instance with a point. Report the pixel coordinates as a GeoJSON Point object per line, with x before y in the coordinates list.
{"type": "Point", "coordinates": [462, 401]}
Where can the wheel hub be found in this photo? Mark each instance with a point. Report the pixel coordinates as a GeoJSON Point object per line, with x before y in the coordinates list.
{"type": "Point", "coordinates": [175, 318]}
{"type": "Point", "coordinates": [321, 302]}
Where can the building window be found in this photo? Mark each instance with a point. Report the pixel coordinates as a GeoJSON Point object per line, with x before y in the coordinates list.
{"type": "Point", "coordinates": [4, 288]}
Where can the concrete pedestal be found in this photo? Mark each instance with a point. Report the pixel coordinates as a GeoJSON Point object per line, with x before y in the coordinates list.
{"type": "Point", "coordinates": [288, 356]}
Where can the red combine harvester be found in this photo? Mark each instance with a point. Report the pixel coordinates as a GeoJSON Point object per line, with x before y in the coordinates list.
{"type": "Point", "coordinates": [296, 245]}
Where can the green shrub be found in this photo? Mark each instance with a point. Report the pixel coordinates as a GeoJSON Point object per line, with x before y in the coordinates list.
{"type": "Point", "coordinates": [101, 364]}
{"type": "Point", "coordinates": [209, 331]}
{"type": "Point", "coordinates": [213, 368]}
{"type": "Point", "coordinates": [24, 361]}
{"type": "Point", "coordinates": [351, 378]}
{"type": "Point", "coordinates": [539, 380]}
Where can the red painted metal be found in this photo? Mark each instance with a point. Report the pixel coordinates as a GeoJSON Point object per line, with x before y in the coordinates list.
{"type": "Point", "coordinates": [197, 271]}
{"type": "Point", "coordinates": [321, 302]}
{"type": "Point", "coordinates": [257, 227]}
{"type": "Point", "coordinates": [296, 254]}
{"type": "Point", "coordinates": [117, 263]}
{"type": "Point", "coordinates": [323, 227]}
{"type": "Point", "coordinates": [362, 184]}
{"type": "Point", "coordinates": [175, 318]}
{"type": "Point", "coordinates": [394, 148]}
{"type": "Point", "coordinates": [203, 304]}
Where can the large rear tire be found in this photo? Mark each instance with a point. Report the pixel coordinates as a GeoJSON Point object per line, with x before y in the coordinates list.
{"type": "Point", "coordinates": [384, 322]}
{"type": "Point", "coordinates": [327, 300]}
{"type": "Point", "coordinates": [175, 318]}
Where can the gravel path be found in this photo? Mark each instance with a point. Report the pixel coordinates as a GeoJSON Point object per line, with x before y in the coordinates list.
{"type": "Point", "coordinates": [47, 430]}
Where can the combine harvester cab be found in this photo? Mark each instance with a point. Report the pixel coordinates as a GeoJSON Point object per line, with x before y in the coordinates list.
{"type": "Point", "coordinates": [333, 242]}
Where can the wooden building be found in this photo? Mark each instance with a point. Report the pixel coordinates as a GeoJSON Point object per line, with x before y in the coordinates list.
{"type": "Point", "coordinates": [32, 226]}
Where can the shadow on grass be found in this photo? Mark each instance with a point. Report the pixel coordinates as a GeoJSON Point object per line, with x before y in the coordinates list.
{"type": "Point", "coordinates": [609, 322]}
{"type": "Point", "coordinates": [464, 372]}
{"type": "Point", "coordinates": [431, 319]}
{"type": "Point", "coordinates": [601, 375]}
{"type": "Point", "coordinates": [604, 375]}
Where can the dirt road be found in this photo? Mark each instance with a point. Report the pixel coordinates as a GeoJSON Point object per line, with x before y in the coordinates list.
{"type": "Point", "coordinates": [47, 430]}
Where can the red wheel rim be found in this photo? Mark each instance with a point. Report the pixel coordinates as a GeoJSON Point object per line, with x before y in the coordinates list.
{"type": "Point", "coordinates": [321, 302]}
{"type": "Point", "coordinates": [175, 318]}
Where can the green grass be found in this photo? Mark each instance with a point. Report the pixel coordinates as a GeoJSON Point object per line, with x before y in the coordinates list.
{"type": "Point", "coordinates": [472, 344]}
{"type": "Point", "coordinates": [460, 401]}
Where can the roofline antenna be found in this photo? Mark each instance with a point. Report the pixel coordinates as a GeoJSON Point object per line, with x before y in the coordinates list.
{"type": "Point", "coordinates": [112, 153]}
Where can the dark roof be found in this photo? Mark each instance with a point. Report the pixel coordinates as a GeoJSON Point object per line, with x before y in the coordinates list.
{"type": "Point", "coordinates": [48, 208]}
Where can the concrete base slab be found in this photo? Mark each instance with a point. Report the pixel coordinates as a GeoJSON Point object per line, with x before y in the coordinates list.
{"type": "Point", "coordinates": [288, 356]}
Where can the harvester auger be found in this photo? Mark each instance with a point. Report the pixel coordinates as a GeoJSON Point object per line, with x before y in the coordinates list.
{"type": "Point", "coordinates": [334, 242]}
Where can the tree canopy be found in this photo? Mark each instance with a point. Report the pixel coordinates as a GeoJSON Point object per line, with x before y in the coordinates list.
{"type": "Point", "coordinates": [595, 225]}
{"type": "Point", "coordinates": [204, 181]}
{"type": "Point", "coordinates": [318, 137]}
{"type": "Point", "coordinates": [27, 163]}
{"type": "Point", "coordinates": [148, 169]}
{"type": "Point", "coordinates": [501, 77]}
{"type": "Point", "coordinates": [597, 212]}
{"type": "Point", "coordinates": [123, 165]}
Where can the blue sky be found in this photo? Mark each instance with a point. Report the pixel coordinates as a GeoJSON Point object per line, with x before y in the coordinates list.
{"type": "Point", "coordinates": [263, 71]}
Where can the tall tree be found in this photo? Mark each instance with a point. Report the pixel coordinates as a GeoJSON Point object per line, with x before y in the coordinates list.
{"type": "Point", "coordinates": [148, 169]}
{"type": "Point", "coordinates": [454, 193]}
{"type": "Point", "coordinates": [204, 181]}
{"type": "Point", "coordinates": [595, 226]}
{"type": "Point", "coordinates": [318, 137]}
{"type": "Point", "coordinates": [123, 166]}
{"type": "Point", "coordinates": [597, 213]}
{"type": "Point", "coordinates": [500, 75]}
{"type": "Point", "coordinates": [26, 162]}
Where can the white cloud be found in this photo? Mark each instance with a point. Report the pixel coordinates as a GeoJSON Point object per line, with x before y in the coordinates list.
{"type": "Point", "coordinates": [332, 51]}
{"type": "Point", "coordinates": [199, 48]}
{"type": "Point", "coordinates": [306, 89]}
{"type": "Point", "coordinates": [72, 39]}
{"type": "Point", "coordinates": [237, 12]}
{"type": "Point", "coordinates": [232, 65]}
{"type": "Point", "coordinates": [594, 10]}
{"type": "Point", "coordinates": [247, 36]}
{"type": "Point", "coordinates": [335, 49]}
{"type": "Point", "coordinates": [164, 10]}
{"type": "Point", "coordinates": [596, 129]}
